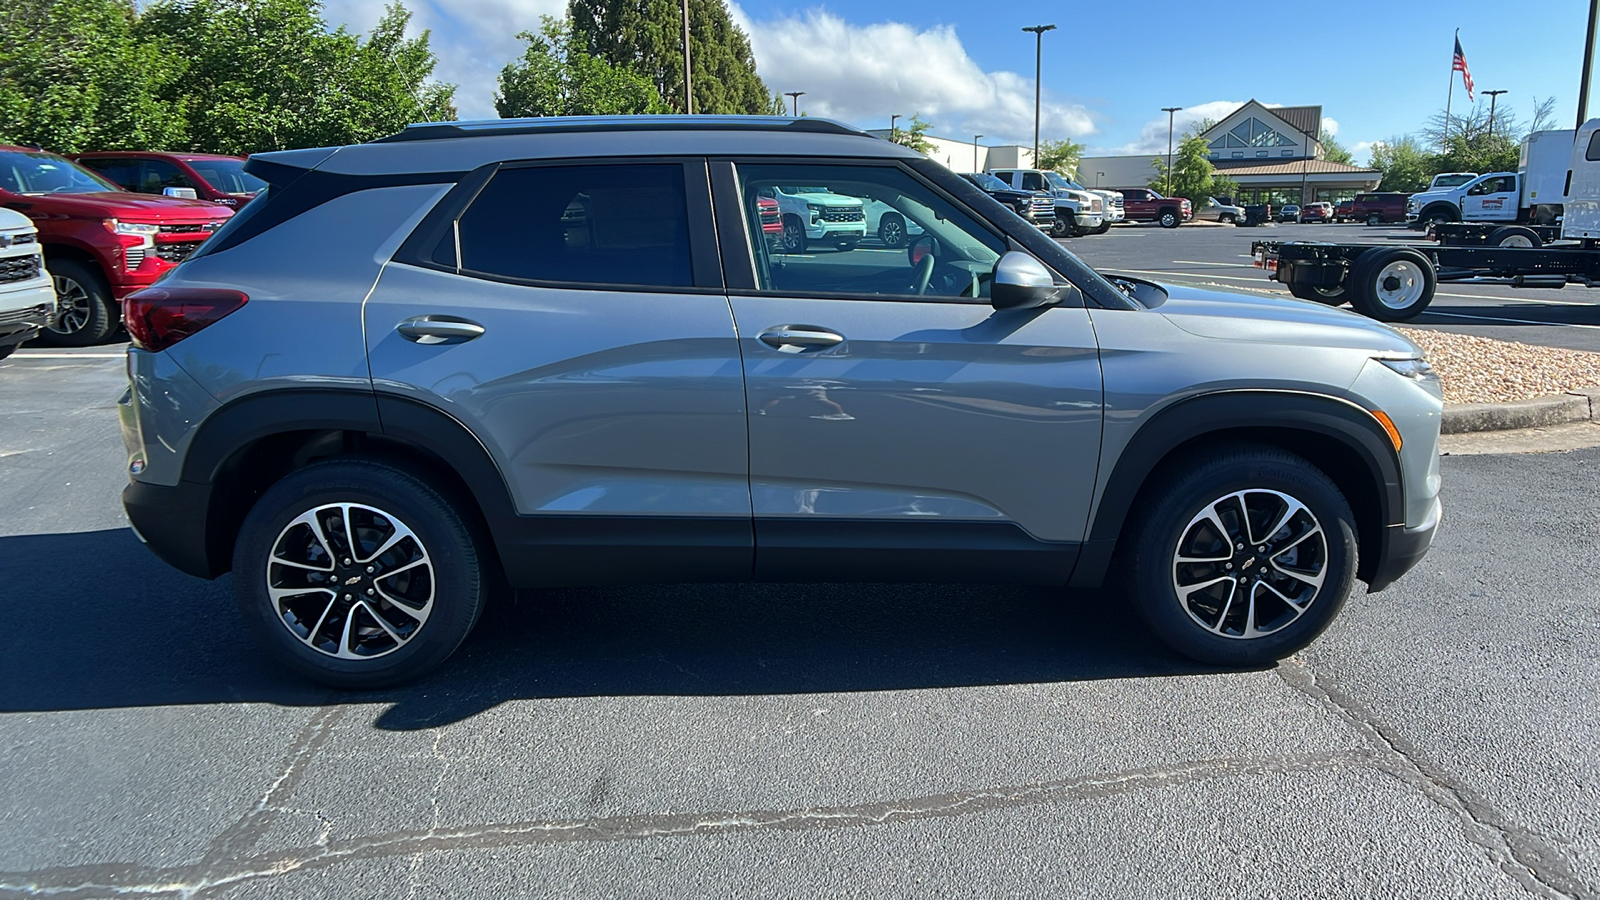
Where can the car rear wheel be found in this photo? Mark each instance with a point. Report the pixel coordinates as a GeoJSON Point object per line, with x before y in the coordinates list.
{"type": "Point", "coordinates": [794, 235]}
{"type": "Point", "coordinates": [892, 231]}
{"type": "Point", "coordinates": [1243, 556]}
{"type": "Point", "coordinates": [87, 314]}
{"type": "Point", "coordinates": [1392, 285]}
{"type": "Point", "coordinates": [1374, 219]}
{"type": "Point", "coordinates": [358, 574]}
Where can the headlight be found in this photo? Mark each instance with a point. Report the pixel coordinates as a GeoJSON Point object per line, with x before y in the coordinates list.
{"type": "Point", "coordinates": [1415, 369]}
{"type": "Point", "coordinates": [131, 227]}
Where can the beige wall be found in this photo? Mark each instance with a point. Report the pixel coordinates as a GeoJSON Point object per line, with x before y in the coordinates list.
{"type": "Point", "coordinates": [957, 155]}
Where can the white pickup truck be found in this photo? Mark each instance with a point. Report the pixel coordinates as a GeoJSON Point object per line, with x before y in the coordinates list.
{"type": "Point", "coordinates": [1078, 212]}
{"type": "Point", "coordinates": [1532, 195]}
{"type": "Point", "coordinates": [816, 215]}
{"type": "Point", "coordinates": [27, 298]}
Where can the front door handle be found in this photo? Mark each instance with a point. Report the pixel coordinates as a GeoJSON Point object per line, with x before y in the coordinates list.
{"type": "Point", "coordinates": [438, 329]}
{"type": "Point", "coordinates": [795, 338]}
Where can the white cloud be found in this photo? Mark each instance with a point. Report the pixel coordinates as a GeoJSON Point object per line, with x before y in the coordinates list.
{"type": "Point", "coordinates": [1330, 125]}
{"type": "Point", "coordinates": [1153, 136]}
{"type": "Point", "coordinates": [1361, 152]}
{"type": "Point", "coordinates": [863, 73]}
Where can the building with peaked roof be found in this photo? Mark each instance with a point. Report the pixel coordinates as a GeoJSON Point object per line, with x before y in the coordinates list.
{"type": "Point", "coordinates": [1272, 153]}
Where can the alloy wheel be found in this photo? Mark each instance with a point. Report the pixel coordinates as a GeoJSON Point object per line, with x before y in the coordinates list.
{"type": "Point", "coordinates": [73, 302]}
{"type": "Point", "coordinates": [1250, 563]}
{"type": "Point", "coordinates": [892, 233]}
{"type": "Point", "coordinates": [350, 581]}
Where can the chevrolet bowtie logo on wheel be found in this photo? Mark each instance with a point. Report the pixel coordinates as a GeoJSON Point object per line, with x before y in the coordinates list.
{"type": "Point", "coordinates": [352, 579]}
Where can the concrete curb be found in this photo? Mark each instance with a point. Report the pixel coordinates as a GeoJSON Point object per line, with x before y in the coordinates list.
{"type": "Point", "coordinates": [1563, 409]}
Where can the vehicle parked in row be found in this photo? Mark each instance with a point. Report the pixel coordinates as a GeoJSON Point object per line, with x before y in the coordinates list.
{"type": "Point", "coordinates": [1078, 212]}
{"type": "Point", "coordinates": [1145, 205]}
{"type": "Point", "coordinates": [209, 176]}
{"type": "Point", "coordinates": [1038, 207]}
{"type": "Point", "coordinates": [1217, 211]}
{"type": "Point", "coordinates": [378, 437]}
{"type": "Point", "coordinates": [1111, 204]}
{"type": "Point", "coordinates": [890, 226]}
{"type": "Point", "coordinates": [27, 299]}
{"type": "Point", "coordinates": [770, 218]}
{"type": "Point", "coordinates": [100, 242]}
{"type": "Point", "coordinates": [1379, 208]}
{"type": "Point", "coordinates": [1289, 212]}
{"type": "Point", "coordinates": [1532, 195]}
{"type": "Point", "coordinates": [1317, 212]}
{"type": "Point", "coordinates": [1344, 211]}
{"type": "Point", "coordinates": [813, 215]}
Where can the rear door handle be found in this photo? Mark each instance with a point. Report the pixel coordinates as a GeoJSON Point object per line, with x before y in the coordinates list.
{"type": "Point", "coordinates": [438, 329]}
{"type": "Point", "coordinates": [795, 338]}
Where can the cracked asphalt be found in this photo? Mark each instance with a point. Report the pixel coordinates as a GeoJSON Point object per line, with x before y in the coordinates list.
{"type": "Point", "coordinates": [776, 740]}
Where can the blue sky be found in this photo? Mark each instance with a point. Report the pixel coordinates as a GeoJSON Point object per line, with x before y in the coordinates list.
{"type": "Point", "coordinates": [1377, 68]}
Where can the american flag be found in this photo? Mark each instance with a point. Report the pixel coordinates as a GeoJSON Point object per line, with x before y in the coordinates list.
{"type": "Point", "coordinates": [1459, 64]}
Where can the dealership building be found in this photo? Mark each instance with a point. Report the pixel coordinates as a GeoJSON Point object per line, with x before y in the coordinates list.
{"type": "Point", "coordinates": [1272, 153]}
{"type": "Point", "coordinates": [970, 156]}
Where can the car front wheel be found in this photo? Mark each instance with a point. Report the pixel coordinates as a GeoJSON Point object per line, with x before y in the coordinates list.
{"type": "Point", "coordinates": [358, 574]}
{"type": "Point", "coordinates": [794, 235]}
{"type": "Point", "coordinates": [1170, 220]}
{"type": "Point", "coordinates": [1244, 556]}
{"type": "Point", "coordinates": [87, 314]}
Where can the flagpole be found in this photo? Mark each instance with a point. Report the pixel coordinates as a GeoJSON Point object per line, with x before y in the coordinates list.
{"type": "Point", "coordinates": [1450, 95]}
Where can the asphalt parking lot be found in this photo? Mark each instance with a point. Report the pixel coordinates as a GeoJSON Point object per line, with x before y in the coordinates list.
{"type": "Point", "coordinates": [1218, 258]}
{"type": "Point", "coordinates": [774, 740]}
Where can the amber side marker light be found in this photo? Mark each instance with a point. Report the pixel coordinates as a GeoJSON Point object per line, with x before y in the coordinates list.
{"type": "Point", "coordinates": [1388, 425]}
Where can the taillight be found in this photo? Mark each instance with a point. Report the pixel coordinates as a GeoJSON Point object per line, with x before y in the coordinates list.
{"type": "Point", "coordinates": [158, 317]}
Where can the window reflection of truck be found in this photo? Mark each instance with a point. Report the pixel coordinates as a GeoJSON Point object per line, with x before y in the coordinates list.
{"type": "Point", "coordinates": [816, 215]}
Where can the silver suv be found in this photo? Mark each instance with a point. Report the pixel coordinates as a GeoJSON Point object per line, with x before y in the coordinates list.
{"type": "Point", "coordinates": [518, 354]}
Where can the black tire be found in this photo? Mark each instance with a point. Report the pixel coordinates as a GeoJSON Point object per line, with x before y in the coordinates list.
{"type": "Point", "coordinates": [1438, 215]}
{"type": "Point", "coordinates": [1169, 218]}
{"type": "Point", "coordinates": [1372, 293]}
{"type": "Point", "coordinates": [1062, 226]}
{"type": "Point", "coordinates": [892, 230]}
{"type": "Point", "coordinates": [794, 235]}
{"type": "Point", "coordinates": [1170, 524]}
{"type": "Point", "coordinates": [1104, 227]}
{"type": "Point", "coordinates": [1514, 236]}
{"type": "Point", "coordinates": [88, 314]}
{"type": "Point", "coordinates": [8, 349]}
{"type": "Point", "coordinates": [1334, 296]}
{"type": "Point", "coordinates": [451, 594]}
{"type": "Point", "coordinates": [1226, 218]}
{"type": "Point", "coordinates": [1374, 219]}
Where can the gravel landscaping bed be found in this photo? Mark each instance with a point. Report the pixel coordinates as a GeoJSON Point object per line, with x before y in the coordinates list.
{"type": "Point", "coordinates": [1481, 370]}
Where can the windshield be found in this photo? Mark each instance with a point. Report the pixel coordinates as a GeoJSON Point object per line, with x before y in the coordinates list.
{"type": "Point", "coordinates": [988, 182]}
{"type": "Point", "coordinates": [791, 189]}
{"type": "Point", "coordinates": [1056, 181]}
{"type": "Point", "coordinates": [22, 172]}
{"type": "Point", "coordinates": [227, 175]}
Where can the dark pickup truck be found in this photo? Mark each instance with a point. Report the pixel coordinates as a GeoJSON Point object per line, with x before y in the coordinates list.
{"type": "Point", "coordinates": [1376, 209]}
{"type": "Point", "coordinates": [1037, 207]}
{"type": "Point", "coordinates": [1145, 205]}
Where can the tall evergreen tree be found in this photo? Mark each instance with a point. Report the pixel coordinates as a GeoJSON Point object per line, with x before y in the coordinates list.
{"type": "Point", "coordinates": [646, 36]}
{"type": "Point", "coordinates": [554, 79]}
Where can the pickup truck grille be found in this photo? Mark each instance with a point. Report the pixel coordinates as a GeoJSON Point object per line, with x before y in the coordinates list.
{"type": "Point", "coordinates": [196, 228]}
{"type": "Point", "coordinates": [842, 214]}
{"type": "Point", "coordinates": [19, 268]}
{"type": "Point", "coordinates": [31, 314]}
{"type": "Point", "coordinates": [1116, 202]}
{"type": "Point", "coordinates": [19, 240]}
{"type": "Point", "coordinates": [1096, 205]}
{"type": "Point", "coordinates": [176, 253]}
{"type": "Point", "coordinates": [1044, 208]}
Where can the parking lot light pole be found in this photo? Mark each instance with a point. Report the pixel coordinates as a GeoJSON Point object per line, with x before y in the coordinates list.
{"type": "Point", "coordinates": [975, 152]}
{"type": "Point", "coordinates": [892, 119]}
{"type": "Point", "coordinates": [795, 96]}
{"type": "Point", "coordinates": [1493, 95]}
{"type": "Point", "coordinates": [1038, 58]}
{"type": "Point", "coordinates": [1169, 110]}
{"type": "Point", "coordinates": [1097, 177]}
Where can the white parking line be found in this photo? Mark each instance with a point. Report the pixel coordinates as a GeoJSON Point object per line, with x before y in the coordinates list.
{"type": "Point", "coordinates": [1434, 312]}
{"type": "Point", "coordinates": [28, 354]}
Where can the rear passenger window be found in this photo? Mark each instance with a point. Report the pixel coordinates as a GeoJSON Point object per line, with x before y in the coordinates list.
{"type": "Point", "coordinates": [1593, 153]}
{"type": "Point", "coordinates": [581, 225]}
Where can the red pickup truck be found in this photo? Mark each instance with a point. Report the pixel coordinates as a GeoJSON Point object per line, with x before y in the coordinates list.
{"type": "Point", "coordinates": [100, 243]}
{"type": "Point", "coordinates": [1145, 205]}
{"type": "Point", "coordinates": [220, 179]}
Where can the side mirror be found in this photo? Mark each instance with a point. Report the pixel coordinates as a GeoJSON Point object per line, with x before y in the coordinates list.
{"type": "Point", "coordinates": [1022, 282]}
{"type": "Point", "coordinates": [181, 193]}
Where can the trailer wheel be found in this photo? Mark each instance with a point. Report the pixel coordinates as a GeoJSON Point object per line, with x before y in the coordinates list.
{"type": "Point", "coordinates": [1514, 236]}
{"type": "Point", "coordinates": [1392, 285]}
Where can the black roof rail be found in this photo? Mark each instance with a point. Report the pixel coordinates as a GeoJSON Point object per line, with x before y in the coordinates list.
{"type": "Point", "coordinates": [429, 131]}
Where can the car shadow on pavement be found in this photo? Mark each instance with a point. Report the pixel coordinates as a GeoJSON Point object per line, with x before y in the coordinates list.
{"type": "Point", "coordinates": [92, 620]}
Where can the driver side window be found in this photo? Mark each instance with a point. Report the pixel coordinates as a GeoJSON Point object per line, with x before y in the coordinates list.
{"type": "Point", "coordinates": [862, 231]}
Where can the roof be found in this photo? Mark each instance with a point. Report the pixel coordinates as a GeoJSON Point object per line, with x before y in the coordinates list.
{"type": "Point", "coordinates": [161, 153]}
{"type": "Point", "coordinates": [464, 146]}
{"type": "Point", "coordinates": [1307, 119]}
{"type": "Point", "coordinates": [1287, 167]}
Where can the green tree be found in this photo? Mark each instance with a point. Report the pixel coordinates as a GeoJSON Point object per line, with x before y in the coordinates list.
{"type": "Point", "coordinates": [1059, 156]}
{"type": "Point", "coordinates": [269, 75]}
{"type": "Point", "coordinates": [1406, 167]}
{"type": "Point", "coordinates": [1191, 175]}
{"type": "Point", "coordinates": [913, 136]}
{"type": "Point", "coordinates": [646, 36]}
{"type": "Point", "coordinates": [554, 79]}
{"type": "Point", "coordinates": [1332, 150]}
{"type": "Point", "coordinates": [74, 76]}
